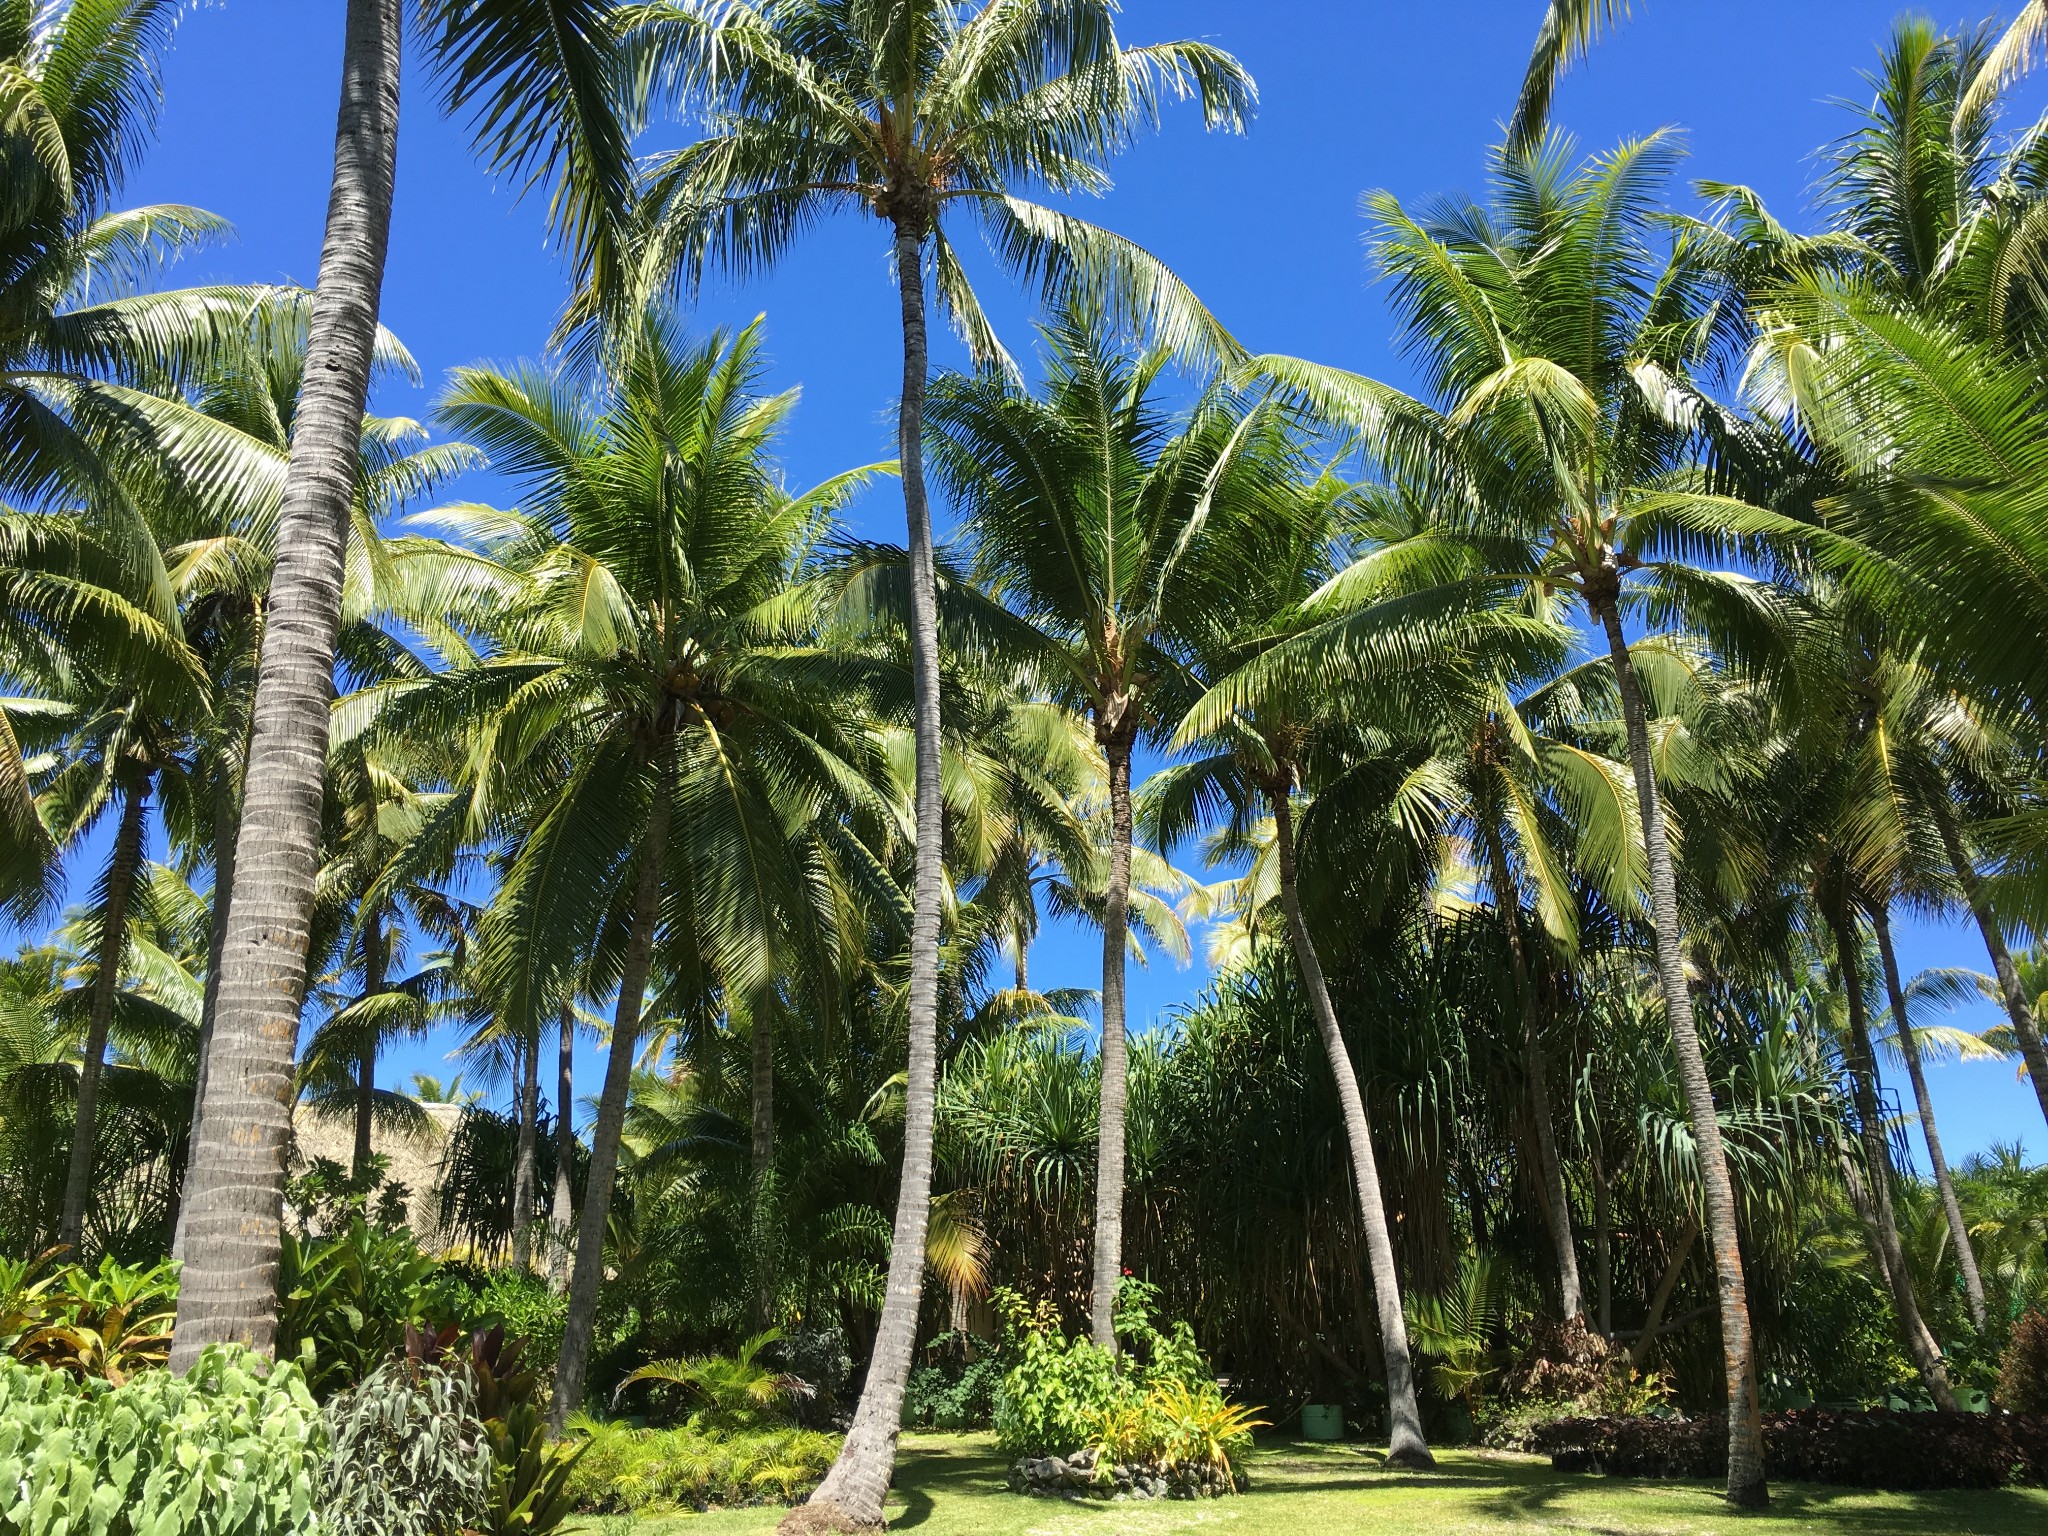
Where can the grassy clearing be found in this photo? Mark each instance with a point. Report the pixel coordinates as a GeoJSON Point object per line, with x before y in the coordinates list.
{"type": "Point", "coordinates": [952, 1485]}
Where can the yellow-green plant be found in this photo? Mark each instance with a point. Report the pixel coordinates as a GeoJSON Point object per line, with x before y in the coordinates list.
{"type": "Point", "coordinates": [106, 1323]}
{"type": "Point", "coordinates": [1197, 1428]}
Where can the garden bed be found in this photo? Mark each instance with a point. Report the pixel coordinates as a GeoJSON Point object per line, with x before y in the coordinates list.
{"type": "Point", "coordinates": [1850, 1448]}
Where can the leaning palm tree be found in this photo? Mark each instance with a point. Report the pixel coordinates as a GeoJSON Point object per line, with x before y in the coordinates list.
{"type": "Point", "coordinates": [1256, 733]}
{"type": "Point", "coordinates": [1560, 342]}
{"type": "Point", "coordinates": [919, 113]}
{"type": "Point", "coordinates": [657, 732]}
{"type": "Point", "coordinates": [1089, 513]}
{"type": "Point", "coordinates": [538, 77]}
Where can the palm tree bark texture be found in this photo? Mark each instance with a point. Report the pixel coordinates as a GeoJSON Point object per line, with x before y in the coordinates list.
{"type": "Point", "coordinates": [233, 1211]}
{"type": "Point", "coordinates": [1116, 731]}
{"type": "Point", "coordinates": [1746, 1477]}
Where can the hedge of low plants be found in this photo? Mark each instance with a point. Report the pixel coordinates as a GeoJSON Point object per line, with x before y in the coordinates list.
{"type": "Point", "coordinates": [1867, 1448]}
{"type": "Point", "coordinates": [629, 1470]}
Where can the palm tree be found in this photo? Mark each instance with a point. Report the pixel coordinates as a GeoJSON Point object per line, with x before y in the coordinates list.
{"type": "Point", "coordinates": [662, 674]}
{"type": "Point", "coordinates": [1561, 344]}
{"type": "Point", "coordinates": [1257, 732]}
{"type": "Point", "coordinates": [913, 110]}
{"type": "Point", "coordinates": [1087, 510]}
{"type": "Point", "coordinates": [537, 76]}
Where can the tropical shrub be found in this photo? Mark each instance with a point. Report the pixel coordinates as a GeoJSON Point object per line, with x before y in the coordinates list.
{"type": "Point", "coordinates": [108, 1322]}
{"type": "Point", "coordinates": [345, 1301]}
{"type": "Point", "coordinates": [529, 1485]}
{"type": "Point", "coordinates": [232, 1448]}
{"type": "Point", "coordinates": [1856, 1448]}
{"type": "Point", "coordinates": [407, 1455]}
{"type": "Point", "coordinates": [956, 1387]}
{"type": "Point", "coordinates": [1154, 1403]}
{"type": "Point", "coordinates": [2023, 1368]}
{"type": "Point", "coordinates": [628, 1470]}
{"type": "Point", "coordinates": [730, 1393]}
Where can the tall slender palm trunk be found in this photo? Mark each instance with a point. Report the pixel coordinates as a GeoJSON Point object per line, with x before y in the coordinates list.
{"type": "Point", "coordinates": [1603, 1248]}
{"type": "Point", "coordinates": [1116, 1067]}
{"type": "Point", "coordinates": [1406, 1446]}
{"type": "Point", "coordinates": [525, 1149]}
{"type": "Point", "coordinates": [374, 957]}
{"type": "Point", "coordinates": [2018, 1007]}
{"type": "Point", "coordinates": [1556, 1202]}
{"type": "Point", "coordinates": [562, 1209]}
{"type": "Point", "coordinates": [850, 1497]}
{"type": "Point", "coordinates": [226, 819]}
{"type": "Point", "coordinates": [1944, 1182]}
{"type": "Point", "coordinates": [588, 1274]}
{"type": "Point", "coordinates": [1873, 1202]}
{"type": "Point", "coordinates": [1746, 1484]}
{"type": "Point", "coordinates": [122, 867]}
{"type": "Point", "coordinates": [228, 1291]}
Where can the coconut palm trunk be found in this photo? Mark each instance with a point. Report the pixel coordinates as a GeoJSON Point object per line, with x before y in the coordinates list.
{"type": "Point", "coordinates": [1603, 1247]}
{"type": "Point", "coordinates": [228, 1291]}
{"type": "Point", "coordinates": [2018, 1007]}
{"type": "Point", "coordinates": [1944, 1182]}
{"type": "Point", "coordinates": [1114, 730]}
{"type": "Point", "coordinates": [122, 867]}
{"type": "Point", "coordinates": [1556, 1202]}
{"type": "Point", "coordinates": [1746, 1484]}
{"type": "Point", "coordinates": [1873, 1201]}
{"type": "Point", "coordinates": [588, 1273]}
{"type": "Point", "coordinates": [226, 819]}
{"type": "Point", "coordinates": [1406, 1446]}
{"type": "Point", "coordinates": [524, 1153]}
{"type": "Point", "coordinates": [850, 1497]}
{"type": "Point", "coordinates": [374, 957]}
{"type": "Point", "coordinates": [562, 1209]}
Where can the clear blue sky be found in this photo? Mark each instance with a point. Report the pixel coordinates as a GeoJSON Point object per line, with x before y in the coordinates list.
{"type": "Point", "coordinates": [1266, 228]}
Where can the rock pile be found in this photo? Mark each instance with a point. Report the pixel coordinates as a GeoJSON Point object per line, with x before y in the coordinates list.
{"type": "Point", "coordinates": [1076, 1477]}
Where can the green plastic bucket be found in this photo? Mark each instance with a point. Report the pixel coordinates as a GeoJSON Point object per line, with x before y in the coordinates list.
{"type": "Point", "coordinates": [1322, 1421]}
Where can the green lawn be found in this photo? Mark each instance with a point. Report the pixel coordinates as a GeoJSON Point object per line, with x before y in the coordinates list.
{"type": "Point", "coordinates": [952, 1485]}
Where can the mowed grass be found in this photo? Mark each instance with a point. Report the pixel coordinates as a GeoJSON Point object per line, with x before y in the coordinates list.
{"type": "Point", "coordinates": [952, 1485]}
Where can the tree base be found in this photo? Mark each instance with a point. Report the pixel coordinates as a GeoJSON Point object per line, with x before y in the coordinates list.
{"type": "Point", "coordinates": [1412, 1458]}
{"type": "Point", "coordinates": [825, 1518]}
{"type": "Point", "coordinates": [1756, 1495]}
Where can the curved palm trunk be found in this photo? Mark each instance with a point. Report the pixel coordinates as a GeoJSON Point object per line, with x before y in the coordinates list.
{"type": "Point", "coordinates": [851, 1495]}
{"type": "Point", "coordinates": [366, 1058]}
{"type": "Point", "coordinates": [2017, 1006]}
{"type": "Point", "coordinates": [523, 1156]}
{"type": "Point", "coordinates": [562, 1211]}
{"type": "Point", "coordinates": [588, 1273]}
{"type": "Point", "coordinates": [1557, 1208]}
{"type": "Point", "coordinates": [1109, 1135]}
{"type": "Point", "coordinates": [226, 818]}
{"type": "Point", "coordinates": [1874, 1203]}
{"type": "Point", "coordinates": [122, 866]}
{"type": "Point", "coordinates": [228, 1291]}
{"type": "Point", "coordinates": [1406, 1446]}
{"type": "Point", "coordinates": [1944, 1182]}
{"type": "Point", "coordinates": [1746, 1485]}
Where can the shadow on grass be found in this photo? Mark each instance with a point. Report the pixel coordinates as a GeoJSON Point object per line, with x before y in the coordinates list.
{"type": "Point", "coordinates": [1877, 1512]}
